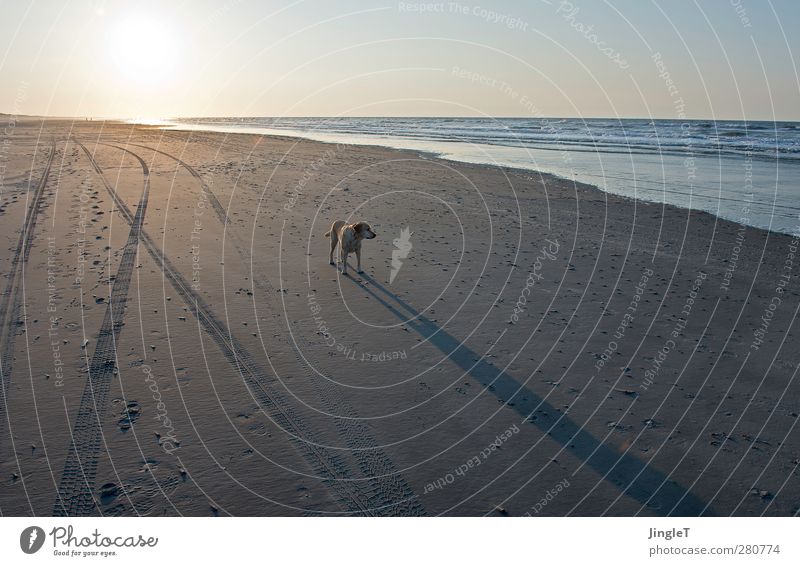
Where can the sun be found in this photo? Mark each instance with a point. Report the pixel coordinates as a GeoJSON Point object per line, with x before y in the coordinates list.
{"type": "Point", "coordinates": [143, 50]}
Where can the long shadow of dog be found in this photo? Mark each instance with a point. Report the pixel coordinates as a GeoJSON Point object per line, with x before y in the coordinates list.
{"type": "Point", "coordinates": [630, 475]}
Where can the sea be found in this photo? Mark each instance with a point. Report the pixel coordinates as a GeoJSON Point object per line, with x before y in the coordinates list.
{"type": "Point", "coordinates": [748, 172]}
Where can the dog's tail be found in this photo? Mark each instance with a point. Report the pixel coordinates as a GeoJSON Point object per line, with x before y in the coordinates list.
{"type": "Point", "coordinates": [327, 234]}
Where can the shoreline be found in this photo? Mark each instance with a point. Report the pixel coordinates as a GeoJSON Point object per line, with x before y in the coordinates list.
{"type": "Point", "coordinates": [433, 155]}
{"type": "Point", "coordinates": [450, 157]}
{"type": "Point", "coordinates": [622, 342]}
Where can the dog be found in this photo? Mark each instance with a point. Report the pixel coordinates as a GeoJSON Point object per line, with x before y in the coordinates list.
{"type": "Point", "coordinates": [348, 237]}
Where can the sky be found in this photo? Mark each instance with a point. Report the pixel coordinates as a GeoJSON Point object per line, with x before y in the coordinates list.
{"type": "Point", "coordinates": [720, 59]}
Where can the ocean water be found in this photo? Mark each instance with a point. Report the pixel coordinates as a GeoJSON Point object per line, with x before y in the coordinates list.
{"type": "Point", "coordinates": [748, 172]}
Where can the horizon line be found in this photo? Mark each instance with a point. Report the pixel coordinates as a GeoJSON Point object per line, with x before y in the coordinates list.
{"type": "Point", "coordinates": [418, 116]}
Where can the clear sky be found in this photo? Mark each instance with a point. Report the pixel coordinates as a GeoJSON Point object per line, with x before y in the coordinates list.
{"type": "Point", "coordinates": [724, 59]}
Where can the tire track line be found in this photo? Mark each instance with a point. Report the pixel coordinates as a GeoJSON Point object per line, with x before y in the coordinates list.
{"type": "Point", "coordinates": [12, 294]}
{"type": "Point", "coordinates": [219, 210]}
{"type": "Point", "coordinates": [329, 466]}
{"type": "Point", "coordinates": [76, 489]}
{"type": "Point", "coordinates": [388, 492]}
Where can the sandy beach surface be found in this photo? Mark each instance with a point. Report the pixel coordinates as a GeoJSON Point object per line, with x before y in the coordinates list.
{"type": "Point", "coordinates": [175, 342]}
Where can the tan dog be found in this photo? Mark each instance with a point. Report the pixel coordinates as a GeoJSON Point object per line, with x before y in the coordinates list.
{"type": "Point", "coordinates": [349, 237]}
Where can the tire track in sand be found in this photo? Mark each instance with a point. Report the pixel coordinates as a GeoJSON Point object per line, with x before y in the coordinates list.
{"type": "Point", "coordinates": [388, 492]}
{"type": "Point", "coordinates": [76, 489]}
{"type": "Point", "coordinates": [12, 293]}
{"type": "Point", "coordinates": [328, 465]}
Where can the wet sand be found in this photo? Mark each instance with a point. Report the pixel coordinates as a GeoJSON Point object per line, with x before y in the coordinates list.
{"type": "Point", "coordinates": [174, 340]}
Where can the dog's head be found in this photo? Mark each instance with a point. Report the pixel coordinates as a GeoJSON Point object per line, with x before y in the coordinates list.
{"type": "Point", "coordinates": [363, 230]}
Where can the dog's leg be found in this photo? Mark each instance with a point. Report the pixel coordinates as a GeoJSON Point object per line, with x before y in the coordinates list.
{"type": "Point", "coordinates": [344, 260]}
{"type": "Point", "coordinates": [334, 241]}
{"type": "Point", "coordinates": [358, 256]}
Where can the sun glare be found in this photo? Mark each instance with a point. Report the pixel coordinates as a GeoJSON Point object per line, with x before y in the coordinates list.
{"type": "Point", "coordinates": [143, 50]}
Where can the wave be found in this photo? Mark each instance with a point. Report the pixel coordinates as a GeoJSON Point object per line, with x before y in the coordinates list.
{"type": "Point", "coordinates": [759, 140]}
{"type": "Point", "coordinates": [748, 172]}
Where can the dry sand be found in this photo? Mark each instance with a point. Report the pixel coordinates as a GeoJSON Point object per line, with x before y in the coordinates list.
{"type": "Point", "coordinates": [175, 342]}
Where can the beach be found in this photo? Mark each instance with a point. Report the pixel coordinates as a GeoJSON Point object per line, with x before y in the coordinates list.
{"type": "Point", "coordinates": [175, 341]}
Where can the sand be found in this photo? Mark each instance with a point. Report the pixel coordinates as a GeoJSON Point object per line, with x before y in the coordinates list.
{"type": "Point", "coordinates": [174, 341]}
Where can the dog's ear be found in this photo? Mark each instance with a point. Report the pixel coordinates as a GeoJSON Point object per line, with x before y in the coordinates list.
{"type": "Point", "coordinates": [358, 227]}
